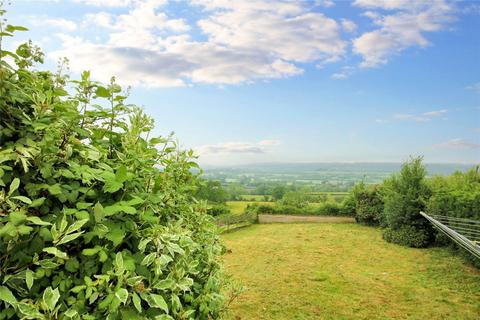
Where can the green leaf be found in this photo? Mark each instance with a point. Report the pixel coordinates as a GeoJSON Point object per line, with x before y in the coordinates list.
{"type": "Point", "coordinates": [122, 295]}
{"type": "Point", "coordinates": [69, 237]}
{"type": "Point", "coordinates": [37, 221]}
{"type": "Point", "coordinates": [7, 296]}
{"type": "Point", "coordinates": [55, 189]}
{"type": "Point", "coordinates": [98, 212]}
{"type": "Point", "coordinates": [156, 301]}
{"type": "Point", "coordinates": [71, 313]}
{"type": "Point", "coordinates": [76, 225]}
{"type": "Point", "coordinates": [119, 260]}
{"type": "Point", "coordinates": [164, 284]}
{"type": "Point", "coordinates": [11, 28]}
{"type": "Point", "coordinates": [102, 92]}
{"type": "Point", "coordinates": [23, 199]}
{"type": "Point", "coordinates": [14, 186]}
{"type": "Point", "coordinates": [83, 205]}
{"type": "Point", "coordinates": [113, 209]}
{"type": "Point", "coordinates": [57, 253]}
{"type": "Point", "coordinates": [37, 202]}
{"type": "Point", "coordinates": [50, 297]}
{"type": "Point", "coordinates": [92, 251]}
{"type": "Point", "coordinates": [29, 278]}
{"type": "Point", "coordinates": [29, 311]}
{"type": "Point", "coordinates": [137, 302]}
{"type": "Point", "coordinates": [148, 260]}
{"type": "Point", "coordinates": [121, 174]}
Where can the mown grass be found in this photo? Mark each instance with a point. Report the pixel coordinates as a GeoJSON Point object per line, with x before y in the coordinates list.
{"type": "Point", "coordinates": [345, 271]}
{"type": "Point", "coordinates": [238, 207]}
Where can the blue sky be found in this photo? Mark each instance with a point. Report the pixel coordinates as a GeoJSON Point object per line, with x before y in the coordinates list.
{"type": "Point", "coordinates": [263, 81]}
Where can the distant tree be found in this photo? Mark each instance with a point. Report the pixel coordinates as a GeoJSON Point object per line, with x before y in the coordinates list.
{"type": "Point", "coordinates": [235, 191]}
{"type": "Point", "coordinates": [212, 191]}
{"type": "Point", "coordinates": [278, 192]}
{"type": "Point", "coordinates": [298, 199]}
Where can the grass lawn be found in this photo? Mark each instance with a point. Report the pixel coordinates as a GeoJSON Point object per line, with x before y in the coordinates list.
{"type": "Point", "coordinates": [344, 271]}
{"type": "Point", "coordinates": [238, 207]}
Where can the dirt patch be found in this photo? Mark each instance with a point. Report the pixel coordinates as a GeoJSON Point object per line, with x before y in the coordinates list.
{"type": "Point", "coordinates": [268, 218]}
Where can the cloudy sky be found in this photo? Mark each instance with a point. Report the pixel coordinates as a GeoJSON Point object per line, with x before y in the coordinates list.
{"type": "Point", "coordinates": [274, 81]}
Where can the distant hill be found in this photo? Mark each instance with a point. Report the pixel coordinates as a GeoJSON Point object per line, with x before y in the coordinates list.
{"type": "Point", "coordinates": [336, 173]}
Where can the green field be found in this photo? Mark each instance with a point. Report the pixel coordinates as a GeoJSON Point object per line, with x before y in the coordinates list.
{"type": "Point", "coordinates": [253, 197]}
{"type": "Point", "coordinates": [345, 271]}
{"type": "Point", "coordinates": [238, 207]}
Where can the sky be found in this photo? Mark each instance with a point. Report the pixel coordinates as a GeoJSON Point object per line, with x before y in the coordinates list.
{"type": "Point", "coordinates": [282, 81]}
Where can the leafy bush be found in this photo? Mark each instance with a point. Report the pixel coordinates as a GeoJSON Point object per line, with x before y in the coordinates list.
{"type": "Point", "coordinates": [457, 195]}
{"type": "Point", "coordinates": [96, 219]}
{"type": "Point", "coordinates": [405, 196]}
{"type": "Point", "coordinates": [408, 236]}
{"type": "Point", "coordinates": [368, 204]}
{"type": "Point", "coordinates": [216, 210]}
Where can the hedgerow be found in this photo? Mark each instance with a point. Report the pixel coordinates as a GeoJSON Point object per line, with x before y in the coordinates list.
{"type": "Point", "coordinates": [97, 220]}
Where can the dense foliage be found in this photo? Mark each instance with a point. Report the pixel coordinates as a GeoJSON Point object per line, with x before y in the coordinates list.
{"type": "Point", "coordinates": [368, 204]}
{"type": "Point", "coordinates": [406, 195]}
{"type": "Point", "coordinates": [395, 204]}
{"type": "Point", "coordinates": [97, 218]}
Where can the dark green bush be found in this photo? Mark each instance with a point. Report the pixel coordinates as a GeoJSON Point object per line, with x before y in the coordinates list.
{"type": "Point", "coordinates": [216, 210]}
{"type": "Point", "coordinates": [97, 220]}
{"type": "Point", "coordinates": [406, 195]}
{"type": "Point", "coordinates": [407, 236]}
{"type": "Point", "coordinates": [368, 204]}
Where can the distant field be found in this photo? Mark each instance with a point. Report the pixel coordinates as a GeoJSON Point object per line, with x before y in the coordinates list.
{"type": "Point", "coordinates": [238, 207]}
{"type": "Point", "coordinates": [345, 271]}
{"type": "Point", "coordinates": [253, 197]}
{"type": "Point", "coordinates": [338, 196]}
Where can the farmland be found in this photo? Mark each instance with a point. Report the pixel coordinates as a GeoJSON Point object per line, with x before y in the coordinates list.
{"type": "Point", "coordinates": [238, 207]}
{"type": "Point", "coordinates": [344, 271]}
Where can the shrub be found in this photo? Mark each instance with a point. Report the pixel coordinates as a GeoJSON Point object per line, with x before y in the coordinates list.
{"type": "Point", "coordinates": [216, 210]}
{"type": "Point", "coordinates": [368, 204]}
{"type": "Point", "coordinates": [96, 219]}
{"type": "Point", "coordinates": [457, 195]}
{"type": "Point", "coordinates": [405, 196]}
{"type": "Point", "coordinates": [348, 205]}
{"type": "Point", "coordinates": [407, 236]}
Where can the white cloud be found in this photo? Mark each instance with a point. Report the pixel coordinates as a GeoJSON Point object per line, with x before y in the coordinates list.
{"type": "Point", "coordinates": [348, 25]}
{"type": "Point", "coordinates": [474, 87]}
{"type": "Point", "coordinates": [344, 73]}
{"type": "Point", "coordinates": [325, 3]}
{"type": "Point", "coordinates": [423, 117]}
{"type": "Point", "coordinates": [459, 143]}
{"type": "Point", "coordinates": [237, 147]}
{"type": "Point", "coordinates": [64, 24]}
{"type": "Point", "coordinates": [245, 41]}
{"type": "Point", "coordinates": [106, 3]}
{"type": "Point", "coordinates": [400, 29]}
